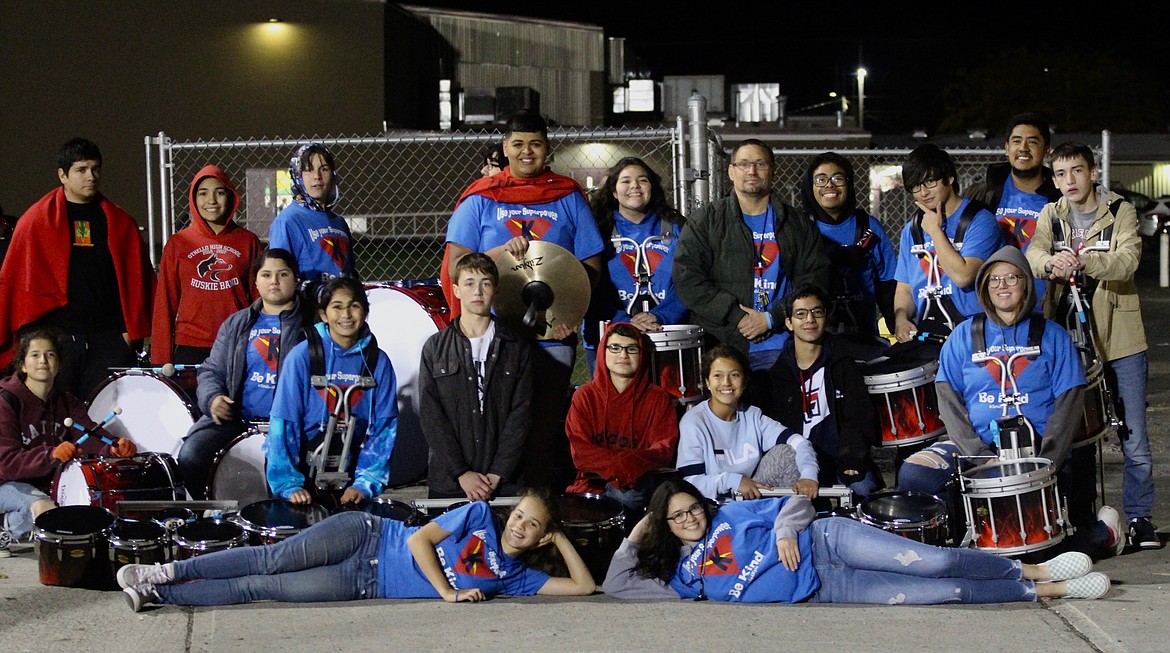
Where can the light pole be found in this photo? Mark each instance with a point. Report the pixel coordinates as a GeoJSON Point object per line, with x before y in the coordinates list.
{"type": "Point", "coordinates": [861, 73]}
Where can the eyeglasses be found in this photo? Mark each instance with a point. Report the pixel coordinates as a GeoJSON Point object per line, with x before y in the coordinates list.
{"type": "Point", "coordinates": [679, 517]}
{"type": "Point", "coordinates": [748, 165]}
{"type": "Point", "coordinates": [926, 185]}
{"type": "Point", "coordinates": [821, 181]}
{"type": "Point", "coordinates": [1008, 280]}
{"type": "Point", "coordinates": [631, 350]}
{"type": "Point", "coordinates": [802, 314]}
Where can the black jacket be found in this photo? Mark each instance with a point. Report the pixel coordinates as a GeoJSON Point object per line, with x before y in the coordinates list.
{"type": "Point", "coordinates": [990, 190]}
{"type": "Point", "coordinates": [460, 436]}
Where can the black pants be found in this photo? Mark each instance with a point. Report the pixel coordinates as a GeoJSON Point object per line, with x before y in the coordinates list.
{"type": "Point", "coordinates": [88, 358]}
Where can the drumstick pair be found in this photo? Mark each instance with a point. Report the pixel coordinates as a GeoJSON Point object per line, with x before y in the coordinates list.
{"type": "Point", "coordinates": [87, 432]}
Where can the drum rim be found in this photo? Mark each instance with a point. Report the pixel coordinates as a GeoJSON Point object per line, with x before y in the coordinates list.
{"type": "Point", "coordinates": [934, 521]}
{"type": "Point", "coordinates": [607, 523]}
{"type": "Point", "coordinates": [925, 374]}
{"type": "Point", "coordinates": [1044, 472]}
{"type": "Point", "coordinates": [270, 530]}
{"type": "Point", "coordinates": [238, 533]}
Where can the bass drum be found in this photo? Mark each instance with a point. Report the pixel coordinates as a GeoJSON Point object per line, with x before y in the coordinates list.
{"type": "Point", "coordinates": [402, 316]}
{"type": "Point", "coordinates": [238, 470]}
{"type": "Point", "coordinates": [157, 411]}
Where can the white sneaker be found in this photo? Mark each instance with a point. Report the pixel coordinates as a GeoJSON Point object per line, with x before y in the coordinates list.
{"type": "Point", "coordinates": [138, 575]}
{"type": "Point", "coordinates": [1112, 520]}
{"type": "Point", "coordinates": [137, 597]}
{"type": "Point", "coordinates": [1090, 586]}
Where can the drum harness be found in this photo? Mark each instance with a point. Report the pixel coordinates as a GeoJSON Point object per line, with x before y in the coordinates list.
{"type": "Point", "coordinates": [643, 298]}
{"type": "Point", "coordinates": [843, 299]}
{"type": "Point", "coordinates": [1015, 430]}
{"type": "Point", "coordinates": [935, 299]}
{"type": "Point", "coordinates": [331, 470]}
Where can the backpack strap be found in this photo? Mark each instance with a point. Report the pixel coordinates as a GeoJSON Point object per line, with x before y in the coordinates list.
{"type": "Point", "coordinates": [1035, 330]}
{"type": "Point", "coordinates": [12, 400]}
{"type": "Point", "coordinates": [978, 337]}
{"type": "Point", "coordinates": [316, 358]}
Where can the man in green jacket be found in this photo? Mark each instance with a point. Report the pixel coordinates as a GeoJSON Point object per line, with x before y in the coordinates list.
{"type": "Point", "coordinates": [739, 255]}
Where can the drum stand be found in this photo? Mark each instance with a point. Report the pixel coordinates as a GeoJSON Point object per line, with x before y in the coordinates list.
{"type": "Point", "coordinates": [331, 471]}
{"type": "Point", "coordinates": [841, 493]}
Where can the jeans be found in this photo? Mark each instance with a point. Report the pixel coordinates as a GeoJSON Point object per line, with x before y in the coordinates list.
{"type": "Point", "coordinates": [200, 447]}
{"type": "Point", "coordinates": [858, 563]}
{"type": "Point", "coordinates": [1126, 377]}
{"type": "Point", "coordinates": [334, 560]}
{"type": "Point", "coordinates": [16, 501]}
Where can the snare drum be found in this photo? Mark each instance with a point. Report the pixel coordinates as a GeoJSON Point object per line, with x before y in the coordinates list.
{"type": "Point", "coordinates": [676, 360]}
{"type": "Point", "coordinates": [1013, 506]}
{"type": "Point", "coordinates": [71, 543]}
{"type": "Point", "coordinates": [207, 535]}
{"type": "Point", "coordinates": [157, 411]}
{"type": "Point", "coordinates": [914, 515]}
{"type": "Point", "coordinates": [138, 543]}
{"type": "Point", "coordinates": [98, 481]}
{"type": "Point", "coordinates": [238, 470]}
{"type": "Point", "coordinates": [402, 316]}
{"type": "Point", "coordinates": [903, 394]}
{"type": "Point", "coordinates": [272, 520]}
{"type": "Point", "coordinates": [172, 518]}
{"type": "Point", "coordinates": [596, 525]}
{"type": "Point", "coordinates": [1095, 422]}
{"type": "Point", "coordinates": [392, 509]}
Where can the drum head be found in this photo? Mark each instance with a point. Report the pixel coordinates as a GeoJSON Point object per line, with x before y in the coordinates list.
{"type": "Point", "coordinates": [402, 319]}
{"type": "Point", "coordinates": [237, 473]}
{"type": "Point", "coordinates": [172, 518]}
{"type": "Point", "coordinates": [1007, 469]}
{"type": "Point", "coordinates": [133, 530]}
{"type": "Point", "coordinates": [72, 486]}
{"type": "Point", "coordinates": [276, 515]}
{"type": "Point", "coordinates": [392, 509]}
{"type": "Point", "coordinates": [156, 413]}
{"type": "Point", "coordinates": [75, 520]}
{"type": "Point", "coordinates": [902, 508]}
{"type": "Point", "coordinates": [208, 531]}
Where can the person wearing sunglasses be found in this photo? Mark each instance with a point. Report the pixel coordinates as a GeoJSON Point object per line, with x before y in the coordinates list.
{"type": "Point", "coordinates": [622, 428]}
{"type": "Point", "coordinates": [1007, 362]}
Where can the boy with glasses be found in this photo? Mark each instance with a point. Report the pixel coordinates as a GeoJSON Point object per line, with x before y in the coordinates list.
{"type": "Point", "coordinates": [622, 428]}
{"type": "Point", "coordinates": [818, 390]}
{"type": "Point", "coordinates": [1090, 234]}
{"type": "Point", "coordinates": [940, 249]}
{"type": "Point", "coordinates": [739, 255]}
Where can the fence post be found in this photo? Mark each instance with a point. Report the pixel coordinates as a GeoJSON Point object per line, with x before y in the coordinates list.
{"type": "Point", "coordinates": [148, 141]}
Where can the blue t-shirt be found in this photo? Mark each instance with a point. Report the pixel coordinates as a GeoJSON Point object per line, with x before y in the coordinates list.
{"type": "Point", "coordinates": [300, 411]}
{"type": "Point", "coordinates": [769, 283]}
{"type": "Point", "coordinates": [739, 561]}
{"type": "Point", "coordinates": [982, 239]}
{"type": "Point", "coordinates": [1056, 371]}
{"type": "Point", "coordinates": [859, 286]}
{"type": "Point", "coordinates": [471, 556]}
{"type": "Point", "coordinates": [622, 260]}
{"type": "Point", "coordinates": [261, 361]}
{"type": "Point", "coordinates": [319, 240]}
{"type": "Point", "coordinates": [1017, 213]}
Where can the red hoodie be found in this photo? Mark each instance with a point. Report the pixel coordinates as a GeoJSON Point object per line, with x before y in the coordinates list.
{"type": "Point", "coordinates": [620, 436]}
{"type": "Point", "coordinates": [203, 277]}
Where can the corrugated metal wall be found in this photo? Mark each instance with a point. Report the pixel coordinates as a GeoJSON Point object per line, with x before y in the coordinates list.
{"type": "Point", "coordinates": [564, 62]}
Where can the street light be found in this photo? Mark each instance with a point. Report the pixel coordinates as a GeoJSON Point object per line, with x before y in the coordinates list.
{"type": "Point", "coordinates": [861, 73]}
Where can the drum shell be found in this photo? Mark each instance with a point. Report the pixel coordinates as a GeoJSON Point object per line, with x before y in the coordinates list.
{"type": "Point", "coordinates": [1013, 506]}
{"type": "Point", "coordinates": [676, 360]}
{"type": "Point", "coordinates": [596, 525]}
{"type": "Point", "coordinates": [905, 400]}
{"type": "Point", "coordinates": [138, 542]}
{"type": "Point", "coordinates": [101, 481]}
{"type": "Point", "coordinates": [1095, 418]}
{"type": "Point", "coordinates": [913, 515]}
{"type": "Point", "coordinates": [71, 545]}
{"type": "Point", "coordinates": [207, 535]}
{"type": "Point", "coordinates": [272, 520]}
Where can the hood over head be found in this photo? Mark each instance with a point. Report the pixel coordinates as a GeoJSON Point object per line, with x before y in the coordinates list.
{"type": "Point", "coordinates": [1006, 254]}
{"type": "Point", "coordinates": [233, 197]}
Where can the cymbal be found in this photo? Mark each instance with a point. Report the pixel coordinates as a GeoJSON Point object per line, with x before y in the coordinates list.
{"type": "Point", "coordinates": [546, 287]}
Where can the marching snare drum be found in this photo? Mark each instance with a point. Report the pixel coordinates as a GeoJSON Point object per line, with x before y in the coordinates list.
{"type": "Point", "coordinates": [1013, 506]}
{"type": "Point", "coordinates": [98, 481]}
{"type": "Point", "coordinates": [392, 509]}
{"type": "Point", "coordinates": [238, 470]}
{"type": "Point", "coordinates": [139, 543]}
{"type": "Point", "coordinates": [272, 520]}
{"type": "Point", "coordinates": [72, 544]}
{"type": "Point", "coordinates": [402, 317]}
{"type": "Point", "coordinates": [676, 360]}
{"type": "Point", "coordinates": [596, 526]}
{"type": "Point", "coordinates": [207, 535]}
{"type": "Point", "coordinates": [914, 515]}
{"type": "Point", "coordinates": [157, 410]}
{"type": "Point", "coordinates": [903, 393]}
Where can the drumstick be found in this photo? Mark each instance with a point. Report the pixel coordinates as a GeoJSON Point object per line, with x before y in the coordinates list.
{"type": "Point", "coordinates": [86, 432]}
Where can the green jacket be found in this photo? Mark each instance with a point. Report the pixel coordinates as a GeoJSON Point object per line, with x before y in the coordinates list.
{"type": "Point", "coordinates": [713, 264]}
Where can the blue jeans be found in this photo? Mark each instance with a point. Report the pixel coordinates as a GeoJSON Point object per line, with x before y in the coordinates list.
{"type": "Point", "coordinates": [16, 501]}
{"type": "Point", "coordinates": [859, 563]}
{"type": "Point", "coordinates": [1126, 378]}
{"type": "Point", "coordinates": [334, 560]}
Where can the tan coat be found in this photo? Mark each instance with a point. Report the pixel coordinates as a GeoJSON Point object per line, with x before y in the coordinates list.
{"type": "Point", "coordinates": [1117, 312]}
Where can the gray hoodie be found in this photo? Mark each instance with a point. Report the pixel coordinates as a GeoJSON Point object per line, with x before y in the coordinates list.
{"type": "Point", "coordinates": [1006, 254]}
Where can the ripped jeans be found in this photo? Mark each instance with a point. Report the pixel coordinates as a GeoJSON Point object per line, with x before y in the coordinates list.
{"type": "Point", "coordinates": [859, 563]}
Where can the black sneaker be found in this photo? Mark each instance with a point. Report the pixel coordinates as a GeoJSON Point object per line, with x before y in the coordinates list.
{"type": "Point", "coordinates": [5, 541]}
{"type": "Point", "coordinates": [1143, 534]}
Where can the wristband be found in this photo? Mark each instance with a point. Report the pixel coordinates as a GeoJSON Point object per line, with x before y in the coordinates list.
{"type": "Point", "coordinates": [769, 316]}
